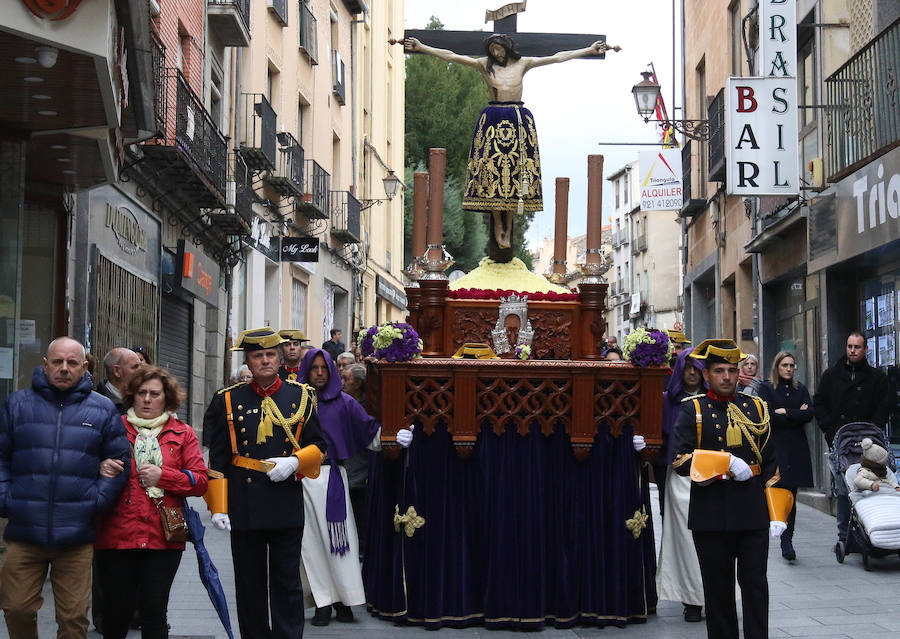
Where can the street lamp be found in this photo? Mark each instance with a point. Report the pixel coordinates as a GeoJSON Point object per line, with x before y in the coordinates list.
{"type": "Point", "coordinates": [646, 95]}
{"type": "Point", "coordinates": [391, 186]}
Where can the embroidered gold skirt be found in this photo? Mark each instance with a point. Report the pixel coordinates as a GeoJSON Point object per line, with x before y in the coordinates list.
{"type": "Point", "coordinates": [504, 168]}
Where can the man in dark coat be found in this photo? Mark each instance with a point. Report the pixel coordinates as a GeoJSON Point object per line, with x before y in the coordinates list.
{"type": "Point", "coordinates": [55, 439]}
{"type": "Point", "coordinates": [265, 435]}
{"type": "Point", "coordinates": [728, 514]}
{"type": "Point", "coordinates": [850, 391]}
{"type": "Point", "coordinates": [120, 364]}
{"type": "Point", "coordinates": [292, 350]}
{"type": "Point", "coordinates": [334, 346]}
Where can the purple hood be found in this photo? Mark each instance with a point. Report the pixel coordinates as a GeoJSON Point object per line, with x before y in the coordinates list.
{"type": "Point", "coordinates": [672, 400]}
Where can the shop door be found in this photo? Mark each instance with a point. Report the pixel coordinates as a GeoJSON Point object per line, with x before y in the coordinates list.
{"type": "Point", "coordinates": [125, 311]}
{"type": "Point", "coordinates": [175, 344]}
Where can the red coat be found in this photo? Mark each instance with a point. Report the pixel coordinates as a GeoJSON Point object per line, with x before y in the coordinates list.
{"type": "Point", "coordinates": [134, 521]}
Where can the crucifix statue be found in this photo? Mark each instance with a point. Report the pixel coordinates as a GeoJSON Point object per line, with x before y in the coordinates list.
{"type": "Point", "coordinates": [503, 176]}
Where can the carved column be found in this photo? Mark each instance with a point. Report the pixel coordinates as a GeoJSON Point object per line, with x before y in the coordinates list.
{"type": "Point", "coordinates": [593, 325]}
{"type": "Point", "coordinates": [431, 316]}
{"type": "Point", "coordinates": [413, 306]}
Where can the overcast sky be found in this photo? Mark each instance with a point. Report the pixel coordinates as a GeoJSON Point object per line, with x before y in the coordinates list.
{"type": "Point", "coordinates": [579, 104]}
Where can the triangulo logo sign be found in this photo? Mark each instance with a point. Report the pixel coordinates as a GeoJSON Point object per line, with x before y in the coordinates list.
{"type": "Point", "coordinates": [661, 180]}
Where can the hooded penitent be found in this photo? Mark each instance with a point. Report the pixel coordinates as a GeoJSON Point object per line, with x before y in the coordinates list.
{"type": "Point", "coordinates": [347, 429]}
{"type": "Point", "coordinates": [673, 396]}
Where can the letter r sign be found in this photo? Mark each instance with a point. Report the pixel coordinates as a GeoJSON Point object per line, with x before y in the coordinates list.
{"type": "Point", "coordinates": [746, 103]}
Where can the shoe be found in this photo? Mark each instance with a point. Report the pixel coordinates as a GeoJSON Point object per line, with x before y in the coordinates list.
{"type": "Point", "coordinates": [692, 613]}
{"type": "Point", "coordinates": [788, 552]}
{"type": "Point", "coordinates": [322, 616]}
{"type": "Point", "coordinates": [343, 613]}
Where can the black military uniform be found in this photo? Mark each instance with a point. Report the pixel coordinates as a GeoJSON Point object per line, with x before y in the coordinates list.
{"type": "Point", "coordinates": [266, 516]}
{"type": "Point", "coordinates": [291, 372]}
{"type": "Point", "coordinates": [729, 519]}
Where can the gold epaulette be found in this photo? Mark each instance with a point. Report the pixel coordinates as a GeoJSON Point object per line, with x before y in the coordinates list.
{"type": "Point", "coordinates": [228, 388]}
{"type": "Point", "coordinates": [692, 397]}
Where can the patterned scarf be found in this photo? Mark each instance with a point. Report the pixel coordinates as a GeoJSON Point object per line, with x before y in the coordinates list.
{"type": "Point", "coordinates": [146, 446]}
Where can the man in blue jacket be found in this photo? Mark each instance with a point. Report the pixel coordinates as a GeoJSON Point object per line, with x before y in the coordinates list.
{"type": "Point", "coordinates": [57, 440]}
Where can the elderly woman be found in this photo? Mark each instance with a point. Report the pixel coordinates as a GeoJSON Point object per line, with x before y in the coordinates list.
{"type": "Point", "coordinates": [678, 574]}
{"type": "Point", "coordinates": [135, 564]}
{"type": "Point", "coordinates": [790, 409]}
{"type": "Point", "coordinates": [748, 376]}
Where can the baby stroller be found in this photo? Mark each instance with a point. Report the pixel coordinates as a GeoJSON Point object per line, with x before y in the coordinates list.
{"type": "Point", "coordinates": [874, 529]}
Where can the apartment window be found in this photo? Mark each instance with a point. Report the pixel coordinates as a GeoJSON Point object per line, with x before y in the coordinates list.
{"type": "Point", "coordinates": [737, 44]}
{"type": "Point", "coordinates": [216, 89]}
{"type": "Point", "coordinates": [627, 186]}
{"type": "Point", "coordinates": [298, 305]}
{"type": "Point", "coordinates": [617, 193]}
{"type": "Point", "coordinates": [701, 114]}
{"type": "Point", "coordinates": [806, 82]}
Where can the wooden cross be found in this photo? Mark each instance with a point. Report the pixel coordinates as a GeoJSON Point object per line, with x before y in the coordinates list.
{"type": "Point", "coordinates": [504, 19]}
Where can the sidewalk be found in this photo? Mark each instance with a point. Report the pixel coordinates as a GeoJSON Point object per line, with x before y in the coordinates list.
{"type": "Point", "coordinates": [813, 597]}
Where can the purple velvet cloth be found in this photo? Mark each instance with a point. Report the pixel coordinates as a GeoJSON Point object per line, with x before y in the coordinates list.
{"type": "Point", "coordinates": [347, 429]}
{"type": "Point", "coordinates": [672, 399]}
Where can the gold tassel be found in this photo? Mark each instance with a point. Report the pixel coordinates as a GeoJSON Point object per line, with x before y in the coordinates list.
{"type": "Point", "coordinates": [733, 437]}
{"type": "Point", "coordinates": [264, 431]}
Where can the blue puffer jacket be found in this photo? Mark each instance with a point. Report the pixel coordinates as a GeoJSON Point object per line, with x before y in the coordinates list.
{"type": "Point", "coordinates": [51, 446]}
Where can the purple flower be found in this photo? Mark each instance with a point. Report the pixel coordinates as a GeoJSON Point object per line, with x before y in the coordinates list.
{"type": "Point", "coordinates": [651, 354]}
{"type": "Point", "coordinates": [400, 349]}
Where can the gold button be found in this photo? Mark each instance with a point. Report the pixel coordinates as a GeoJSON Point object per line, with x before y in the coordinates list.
{"type": "Point", "coordinates": [714, 415]}
{"type": "Point", "coordinates": [745, 404]}
{"type": "Point", "coordinates": [286, 440]}
{"type": "Point", "coordinates": [284, 454]}
{"type": "Point", "coordinates": [241, 418]}
{"type": "Point", "coordinates": [249, 480]}
{"type": "Point", "coordinates": [240, 407]}
{"type": "Point", "coordinates": [293, 405]}
{"type": "Point", "coordinates": [243, 430]}
{"type": "Point", "coordinates": [246, 442]}
{"type": "Point", "coordinates": [720, 439]}
{"type": "Point", "coordinates": [719, 426]}
{"type": "Point", "coordinates": [246, 454]}
{"type": "Point", "coordinates": [708, 405]}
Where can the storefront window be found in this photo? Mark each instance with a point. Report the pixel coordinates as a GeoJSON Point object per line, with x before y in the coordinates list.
{"type": "Point", "coordinates": [12, 175]}
{"type": "Point", "coordinates": [790, 325]}
{"type": "Point", "coordinates": [880, 323]}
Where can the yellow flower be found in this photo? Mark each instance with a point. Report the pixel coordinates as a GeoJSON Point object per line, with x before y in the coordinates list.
{"type": "Point", "coordinates": [512, 276]}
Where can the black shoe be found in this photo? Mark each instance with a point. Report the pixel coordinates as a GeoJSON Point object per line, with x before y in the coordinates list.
{"type": "Point", "coordinates": [788, 552]}
{"type": "Point", "coordinates": [692, 613]}
{"type": "Point", "coordinates": [322, 616]}
{"type": "Point", "coordinates": [343, 613]}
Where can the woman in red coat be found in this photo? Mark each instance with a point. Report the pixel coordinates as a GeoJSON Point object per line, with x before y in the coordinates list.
{"type": "Point", "coordinates": [135, 564]}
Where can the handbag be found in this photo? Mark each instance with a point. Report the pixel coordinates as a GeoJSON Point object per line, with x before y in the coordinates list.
{"type": "Point", "coordinates": [174, 526]}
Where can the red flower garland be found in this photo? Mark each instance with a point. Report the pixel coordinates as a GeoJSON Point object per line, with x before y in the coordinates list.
{"type": "Point", "coordinates": [496, 294]}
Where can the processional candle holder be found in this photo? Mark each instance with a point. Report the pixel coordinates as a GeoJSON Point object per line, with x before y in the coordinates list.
{"type": "Point", "coordinates": [592, 272]}
{"type": "Point", "coordinates": [434, 268]}
{"type": "Point", "coordinates": [563, 277]}
{"type": "Point", "coordinates": [414, 271]}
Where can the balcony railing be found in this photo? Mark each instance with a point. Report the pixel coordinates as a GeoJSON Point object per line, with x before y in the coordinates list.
{"type": "Point", "coordinates": [864, 115]}
{"type": "Point", "coordinates": [257, 133]}
{"type": "Point", "coordinates": [188, 137]}
{"type": "Point", "coordinates": [639, 244]}
{"type": "Point", "coordinates": [345, 213]}
{"type": "Point", "coordinates": [230, 19]}
{"type": "Point", "coordinates": [716, 114]}
{"type": "Point", "coordinates": [308, 39]}
{"type": "Point", "coordinates": [237, 216]}
{"type": "Point", "coordinates": [158, 57]}
{"type": "Point", "coordinates": [279, 10]}
{"type": "Point", "coordinates": [690, 207]}
{"type": "Point", "coordinates": [316, 199]}
{"type": "Point", "coordinates": [287, 178]}
{"type": "Point", "coordinates": [337, 77]}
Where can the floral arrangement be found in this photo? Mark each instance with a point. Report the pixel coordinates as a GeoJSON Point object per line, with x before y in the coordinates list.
{"type": "Point", "coordinates": [647, 348]}
{"type": "Point", "coordinates": [512, 275]}
{"type": "Point", "coordinates": [393, 341]}
{"type": "Point", "coordinates": [497, 293]}
{"type": "Point", "coordinates": [523, 352]}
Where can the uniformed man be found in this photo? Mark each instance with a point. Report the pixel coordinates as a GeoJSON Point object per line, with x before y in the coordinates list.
{"type": "Point", "coordinates": [722, 443]}
{"type": "Point", "coordinates": [679, 341]}
{"type": "Point", "coordinates": [265, 437]}
{"type": "Point", "coordinates": [292, 350]}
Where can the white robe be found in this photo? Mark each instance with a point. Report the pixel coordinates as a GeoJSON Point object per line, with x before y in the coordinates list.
{"type": "Point", "coordinates": [328, 578]}
{"type": "Point", "coordinates": [678, 570]}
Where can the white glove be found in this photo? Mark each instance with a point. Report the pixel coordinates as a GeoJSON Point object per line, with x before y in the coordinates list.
{"type": "Point", "coordinates": [404, 436]}
{"type": "Point", "coordinates": [284, 467]}
{"type": "Point", "coordinates": [222, 521]}
{"type": "Point", "coordinates": [776, 528]}
{"type": "Point", "coordinates": [638, 442]}
{"type": "Point", "coordinates": [739, 469]}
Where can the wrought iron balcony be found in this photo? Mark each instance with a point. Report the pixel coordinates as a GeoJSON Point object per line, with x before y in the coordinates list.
{"type": "Point", "coordinates": [188, 143]}
{"type": "Point", "coordinates": [256, 144]}
{"type": "Point", "coordinates": [230, 20]}
{"type": "Point", "coordinates": [308, 40]}
{"type": "Point", "coordinates": [690, 207]}
{"type": "Point", "coordinates": [287, 178]}
{"type": "Point", "coordinates": [345, 214]}
{"type": "Point", "coordinates": [639, 244]}
{"type": "Point", "coordinates": [316, 199]}
{"type": "Point", "coordinates": [863, 114]}
{"type": "Point", "coordinates": [243, 193]}
{"type": "Point", "coordinates": [337, 77]}
{"type": "Point", "coordinates": [279, 10]}
{"type": "Point", "coordinates": [237, 216]}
